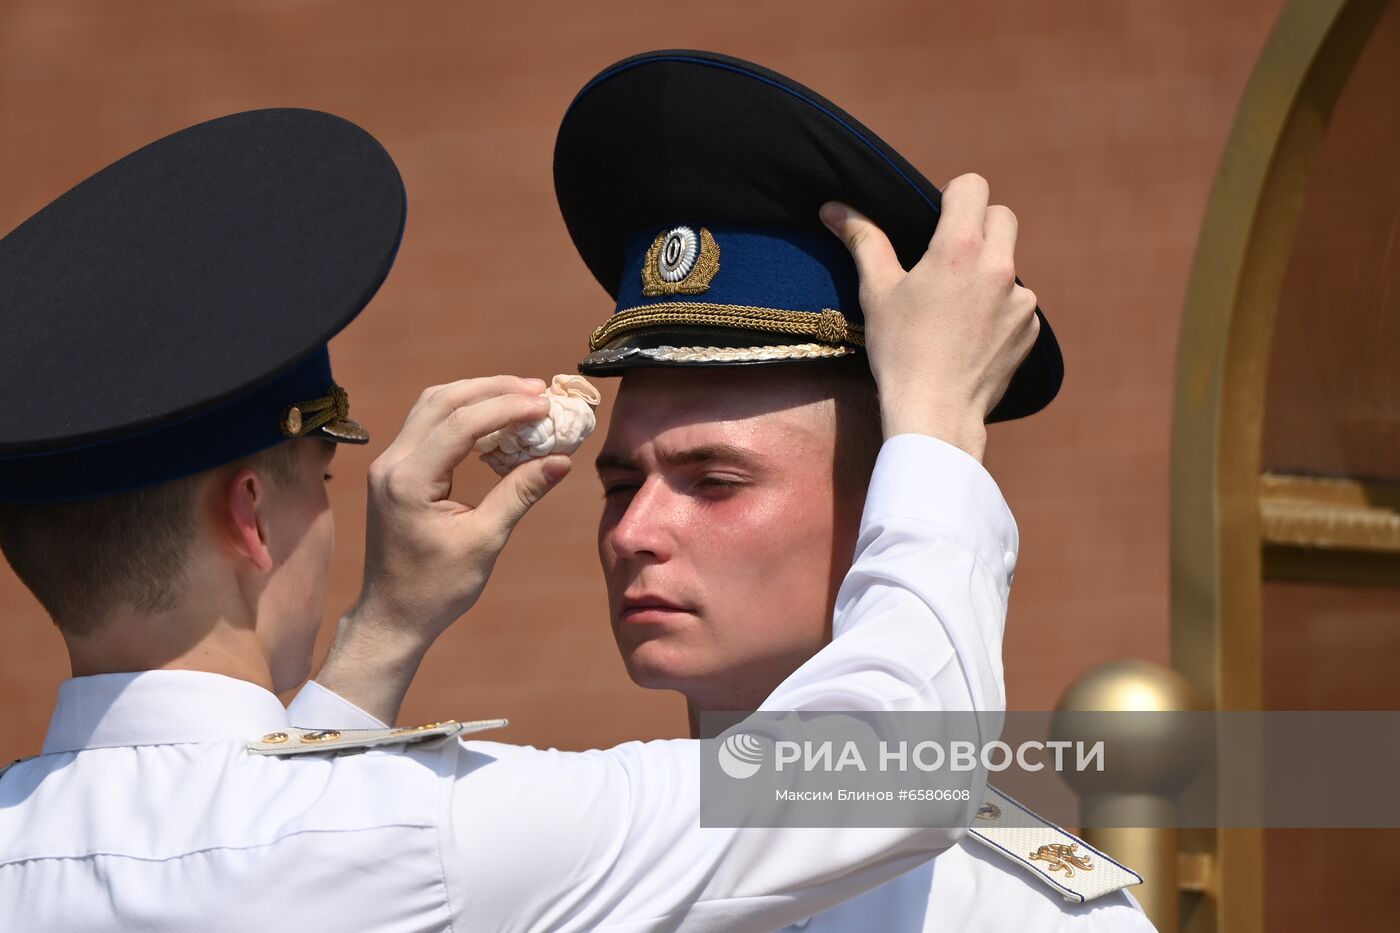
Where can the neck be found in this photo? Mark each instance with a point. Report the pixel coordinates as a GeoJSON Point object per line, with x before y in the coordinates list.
{"type": "Point", "coordinates": [720, 715]}
{"type": "Point", "coordinates": [740, 689]}
{"type": "Point", "coordinates": [130, 642]}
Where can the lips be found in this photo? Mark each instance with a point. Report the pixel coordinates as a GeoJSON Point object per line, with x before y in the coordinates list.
{"type": "Point", "coordinates": [646, 608]}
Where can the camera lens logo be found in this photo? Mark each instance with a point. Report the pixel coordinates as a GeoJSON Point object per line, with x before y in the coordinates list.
{"type": "Point", "coordinates": [740, 755]}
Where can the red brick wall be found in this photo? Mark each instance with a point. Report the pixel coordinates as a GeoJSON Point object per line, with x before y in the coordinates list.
{"type": "Point", "coordinates": [1101, 123]}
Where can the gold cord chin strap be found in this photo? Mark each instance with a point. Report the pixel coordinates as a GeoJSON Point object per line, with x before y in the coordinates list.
{"type": "Point", "coordinates": [830, 327]}
{"type": "Point", "coordinates": [305, 417]}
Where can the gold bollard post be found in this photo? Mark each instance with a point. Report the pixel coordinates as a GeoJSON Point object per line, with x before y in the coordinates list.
{"type": "Point", "coordinates": [1128, 810]}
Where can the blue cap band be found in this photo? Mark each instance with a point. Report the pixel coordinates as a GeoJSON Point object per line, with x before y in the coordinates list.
{"type": "Point", "coordinates": [779, 269]}
{"type": "Point", "coordinates": [237, 428]}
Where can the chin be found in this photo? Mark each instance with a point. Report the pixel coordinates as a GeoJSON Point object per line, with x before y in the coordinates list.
{"type": "Point", "coordinates": [709, 683]}
{"type": "Point", "coordinates": [657, 666]}
{"type": "Point", "coordinates": [709, 687]}
{"type": "Point", "coordinates": [651, 676]}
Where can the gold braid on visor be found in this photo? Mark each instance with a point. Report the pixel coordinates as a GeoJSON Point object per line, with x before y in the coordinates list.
{"type": "Point", "coordinates": [830, 327]}
{"type": "Point", "coordinates": [304, 417]}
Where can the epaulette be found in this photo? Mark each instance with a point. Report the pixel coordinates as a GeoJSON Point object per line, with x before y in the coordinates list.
{"type": "Point", "coordinates": [307, 741]}
{"type": "Point", "coordinates": [1075, 869]}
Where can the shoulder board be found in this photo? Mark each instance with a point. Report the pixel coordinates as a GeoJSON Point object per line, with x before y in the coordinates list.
{"type": "Point", "coordinates": [1068, 864]}
{"type": "Point", "coordinates": [292, 741]}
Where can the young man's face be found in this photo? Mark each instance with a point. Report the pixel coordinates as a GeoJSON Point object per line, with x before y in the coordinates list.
{"type": "Point", "coordinates": [721, 539]}
{"type": "Point", "coordinates": [301, 536]}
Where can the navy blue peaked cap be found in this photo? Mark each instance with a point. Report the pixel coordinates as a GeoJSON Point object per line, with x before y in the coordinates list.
{"type": "Point", "coordinates": [690, 183]}
{"type": "Point", "coordinates": [170, 314]}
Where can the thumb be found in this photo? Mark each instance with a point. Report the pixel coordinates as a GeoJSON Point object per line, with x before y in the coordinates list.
{"type": "Point", "coordinates": [521, 488]}
{"type": "Point", "coordinates": [876, 262]}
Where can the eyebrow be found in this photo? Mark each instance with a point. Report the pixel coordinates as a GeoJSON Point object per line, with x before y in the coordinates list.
{"type": "Point", "coordinates": [706, 453]}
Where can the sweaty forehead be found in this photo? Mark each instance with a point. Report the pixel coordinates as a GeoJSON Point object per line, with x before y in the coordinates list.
{"type": "Point", "coordinates": [765, 409]}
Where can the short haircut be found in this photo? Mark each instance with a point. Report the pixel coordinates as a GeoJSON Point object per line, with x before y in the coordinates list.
{"type": "Point", "coordinates": [859, 431]}
{"type": "Point", "coordinates": [82, 558]}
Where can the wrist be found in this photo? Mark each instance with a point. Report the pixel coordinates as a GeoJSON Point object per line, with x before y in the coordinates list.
{"type": "Point", "coordinates": [372, 634]}
{"type": "Point", "coordinates": [372, 662]}
{"type": "Point", "coordinates": [968, 434]}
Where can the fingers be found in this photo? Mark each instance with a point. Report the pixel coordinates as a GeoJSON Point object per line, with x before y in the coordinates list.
{"type": "Point", "coordinates": [876, 262]}
{"type": "Point", "coordinates": [963, 216]}
{"type": "Point", "coordinates": [1023, 339]}
{"type": "Point", "coordinates": [437, 402]}
{"type": "Point", "coordinates": [426, 470]}
{"type": "Point", "coordinates": [518, 490]}
{"type": "Point", "coordinates": [997, 256]}
{"type": "Point", "coordinates": [1031, 328]}
{"type": "Point", "coordinates": [1023, 326]}
{"type": "Point", "coordinates": [999, 230]}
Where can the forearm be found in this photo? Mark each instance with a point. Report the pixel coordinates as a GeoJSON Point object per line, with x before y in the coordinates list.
{"type": "Point", "coordinates": [635, 856]}
{"type": "Point", "coordinates": [427, 556]}
{"type": "Point", "coordinates": [371, 664]}
{"type": "Point", "coordinates": [905, 413]}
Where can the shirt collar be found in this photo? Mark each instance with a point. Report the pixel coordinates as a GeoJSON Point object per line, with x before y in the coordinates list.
{"type": "Point", "coordinates": [159, 708]}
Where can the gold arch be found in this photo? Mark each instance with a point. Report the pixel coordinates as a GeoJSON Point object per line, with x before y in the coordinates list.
{"type": "Point", "coordinates": [1222, 362]}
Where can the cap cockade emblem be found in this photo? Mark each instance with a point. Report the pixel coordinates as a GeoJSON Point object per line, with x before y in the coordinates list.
{"type": "Point", "coordinates": [680, 263]}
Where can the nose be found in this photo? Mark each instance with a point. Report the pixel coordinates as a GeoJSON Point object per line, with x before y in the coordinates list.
{"type": "Point", "coordinates": [644, 531]}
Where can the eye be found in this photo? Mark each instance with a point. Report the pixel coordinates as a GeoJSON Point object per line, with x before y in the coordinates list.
{"type": "Point", "coordinates": [719, 483]}
{"type": "Point", "coordinates": [618, 489]}
{"type": "Point", "coordinates": [328, 477]}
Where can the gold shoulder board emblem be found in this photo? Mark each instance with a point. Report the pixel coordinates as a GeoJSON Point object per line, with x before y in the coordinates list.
{"type": "Point", "coordinates": [1062, 858]}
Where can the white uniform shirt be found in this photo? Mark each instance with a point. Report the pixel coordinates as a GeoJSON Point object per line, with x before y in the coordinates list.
{"type": "Point", "coordinates": [971, 889]}
{"type": "Point", "coordinates": [146, 810]}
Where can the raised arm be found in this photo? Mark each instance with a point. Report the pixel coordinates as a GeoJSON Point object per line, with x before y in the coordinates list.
{"type": "Point", "coordinates": [428, 556]}
{"type": "Point", "coordinates": [611, 839]}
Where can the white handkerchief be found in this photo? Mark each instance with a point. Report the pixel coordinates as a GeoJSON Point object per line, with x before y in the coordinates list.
{"type": "Point", "coordinates": [569, 422]}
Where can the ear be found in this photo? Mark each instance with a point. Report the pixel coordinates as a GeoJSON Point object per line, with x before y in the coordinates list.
{"type": "Point", "coordinates": [245, 496]}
